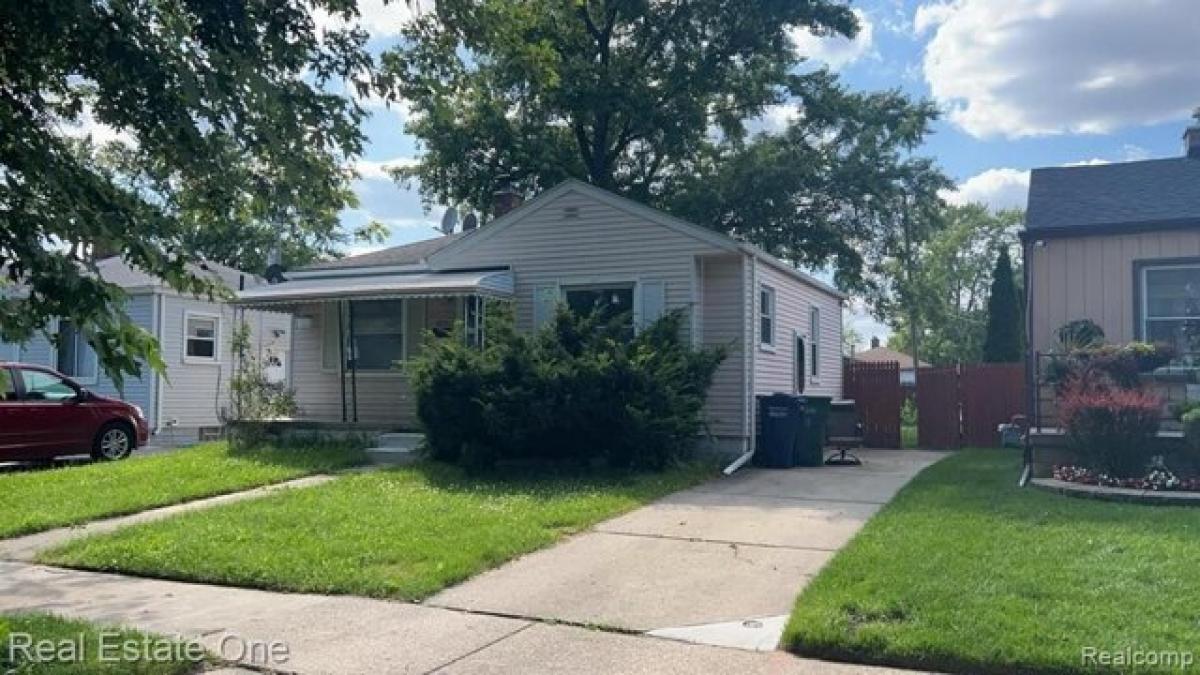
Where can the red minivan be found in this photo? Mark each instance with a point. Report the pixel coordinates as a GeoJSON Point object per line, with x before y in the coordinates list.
{"type": "Point", "coordinates": [44, 414]}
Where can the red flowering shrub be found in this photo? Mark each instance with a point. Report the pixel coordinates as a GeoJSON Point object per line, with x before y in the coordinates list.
{"type": "Point", "coordinates": [1111, 429]}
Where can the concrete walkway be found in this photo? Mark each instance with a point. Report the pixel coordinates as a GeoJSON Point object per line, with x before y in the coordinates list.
{"type": "Point", "coordinates": [347, 635]}
{"type": "Point", "coordinates": [26, 548]}
{"type": "Point", "coordinates": [719, 564]}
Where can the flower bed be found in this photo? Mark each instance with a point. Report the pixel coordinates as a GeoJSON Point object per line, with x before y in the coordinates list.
{"type": "Point", "coordinates": [1159, 479]}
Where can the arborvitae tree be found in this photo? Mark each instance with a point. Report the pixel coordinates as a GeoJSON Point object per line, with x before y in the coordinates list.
{"type": "Point", "coordinates": [1004, 341]}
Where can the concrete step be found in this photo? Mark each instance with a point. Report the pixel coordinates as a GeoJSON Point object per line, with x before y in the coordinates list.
{"type": "Point", "coordinates": [392, 455]}
{"type": "Point", "coordinates": [407, 441]}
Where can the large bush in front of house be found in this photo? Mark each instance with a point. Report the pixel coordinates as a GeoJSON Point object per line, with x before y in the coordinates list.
{"type": "Point", "coordinates": [580, 389]}
{"type": "Point", "coordinates": [1110, 428]}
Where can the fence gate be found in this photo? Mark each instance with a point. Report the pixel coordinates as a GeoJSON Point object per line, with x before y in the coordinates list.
{"type": "Point", "coordinates": [963, 405]}
{"type": "Point", "coordinates": [938, 408]}
{"type": "Point", "coordinates": [875, 388]}
{"type": "Point", "coordinates": [991, 394]}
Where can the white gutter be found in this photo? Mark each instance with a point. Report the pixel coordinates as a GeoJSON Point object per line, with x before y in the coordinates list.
{"type": "Point", "coordinates": [748, 327]}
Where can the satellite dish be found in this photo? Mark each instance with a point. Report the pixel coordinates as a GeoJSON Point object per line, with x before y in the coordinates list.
{"type": "Point", "coordinates": [470, 222]}
{"type": "Point", "coordinates": [449, 220]}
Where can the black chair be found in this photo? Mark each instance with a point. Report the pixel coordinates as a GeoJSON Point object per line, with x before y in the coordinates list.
{"type": "Point", "coordinates": [843, 431]}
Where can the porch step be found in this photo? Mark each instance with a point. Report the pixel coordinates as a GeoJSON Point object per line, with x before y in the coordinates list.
{"type": "Point", "coordinates": [400, 440]}
{"type": "Point", "coordinates": [396, 448]}
{"type": "Point", "coordinates": [392, 456]}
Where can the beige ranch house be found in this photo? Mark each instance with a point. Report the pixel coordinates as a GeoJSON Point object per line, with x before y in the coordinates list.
{"type": "Point", "coordinates": [1118, 244]}
{"type": "Point", "coordinates": [357, 320]}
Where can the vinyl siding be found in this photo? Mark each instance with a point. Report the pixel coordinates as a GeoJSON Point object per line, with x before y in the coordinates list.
{"type": "Point", "coordinates": [195, 394]}
{"type": "Point", "coordinates": [599, 244]}
{"type": "Point", "coordinates": [1093, 278]}
{"type": "Point", "coordinates": [139, 391]}
{"type": "Point", "coordinates": [722, 323]}
{"type": "Point", "coordinates": [774, 370]}
{"type": "Point", "coordinates": [383, 398]}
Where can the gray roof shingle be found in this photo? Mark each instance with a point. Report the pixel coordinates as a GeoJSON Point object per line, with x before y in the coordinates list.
{"type": "Point", "coordinates": [406, 254]}
{"type": "Point", "coordinates": [1152, 193]}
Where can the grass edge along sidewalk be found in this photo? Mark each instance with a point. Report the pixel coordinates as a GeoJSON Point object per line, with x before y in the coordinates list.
{"type": "Point", "coordinates": [966, 572]}
{"type": "Point", "coordinates": [36, 501]}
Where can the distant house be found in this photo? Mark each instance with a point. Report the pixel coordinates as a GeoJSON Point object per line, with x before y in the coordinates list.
{"type": "Point", "coordinates": [1118, 244]}
{"type": "Point", "coordinates": [880, 354]}
{"type": "Point", "coordinates": [359, 319]}
{"type": "Point", "coordinates": [194, 334]}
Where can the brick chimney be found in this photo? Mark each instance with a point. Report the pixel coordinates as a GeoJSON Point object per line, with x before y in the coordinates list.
{"type": "Point", "coordinates": [875, 342]}
{"type": "Point", "coordinates": [1191, 142]}
{"type": "Point", "coordinates": [505, 199]}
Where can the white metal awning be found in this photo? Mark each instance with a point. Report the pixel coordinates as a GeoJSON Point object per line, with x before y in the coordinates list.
{"type": "Point", "coordinates": [487, 283]}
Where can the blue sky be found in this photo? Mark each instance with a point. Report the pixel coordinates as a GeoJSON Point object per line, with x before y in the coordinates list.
{"type": "Point", "coordinates": [1021, 83]}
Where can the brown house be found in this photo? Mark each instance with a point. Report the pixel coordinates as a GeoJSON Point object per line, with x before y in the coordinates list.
{"type": "Point", "coordinates": [1118, 244]}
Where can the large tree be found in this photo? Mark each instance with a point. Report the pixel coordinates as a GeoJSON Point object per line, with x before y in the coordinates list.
{"type": "Point", "coordinates": [951, 284]}
{"type": "Point", "coordinates": [658, 101]}
{"type": "Point", "coordinates": [232, 142]}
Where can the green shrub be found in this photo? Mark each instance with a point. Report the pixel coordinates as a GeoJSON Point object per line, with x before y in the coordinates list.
{"type": "Point", "coordinates": [1191, 429]}
{"type": "Point", "coordinates": [580, 389]}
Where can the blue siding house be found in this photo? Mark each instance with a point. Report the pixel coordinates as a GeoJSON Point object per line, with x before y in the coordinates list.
{"type": "Point", "coordinates": [194, 335]}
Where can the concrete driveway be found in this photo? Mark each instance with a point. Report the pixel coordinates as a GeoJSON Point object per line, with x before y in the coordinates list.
{"type": "Point", "coordinates": [718, 564]}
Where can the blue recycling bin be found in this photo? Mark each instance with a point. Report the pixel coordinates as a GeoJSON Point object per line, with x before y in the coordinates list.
{"type": "Point", "coordinates": [780, 422]}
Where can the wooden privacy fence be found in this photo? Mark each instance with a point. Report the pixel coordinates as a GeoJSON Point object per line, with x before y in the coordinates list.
{"type": "Point", "coordinates": [963, 405]}
{"type": "Point", "coordinates": [875, 388]}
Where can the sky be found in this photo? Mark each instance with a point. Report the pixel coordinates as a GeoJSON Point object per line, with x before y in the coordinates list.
{"type": "Point", "coordinates": [1020, 83]}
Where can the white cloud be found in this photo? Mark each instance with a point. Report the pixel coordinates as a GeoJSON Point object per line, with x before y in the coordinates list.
{"type": "Point", "coordinates": [997, 188]}
{"type": "Point", "coordinates": [378, 170]}
{"type": "Point", "coordinates": [1038, 67]}
{"type": "Point", "coordinates": [87, 126]}
{"type": "Point", "coordinates": [380, 18]}
{"type": "Point", "coordinates": [837, 52]}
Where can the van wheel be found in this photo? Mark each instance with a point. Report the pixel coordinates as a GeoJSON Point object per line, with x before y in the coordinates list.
{"type": "Point", "coordinates": [114, 442]}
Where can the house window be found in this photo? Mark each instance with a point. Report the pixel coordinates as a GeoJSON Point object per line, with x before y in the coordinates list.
{"type": "Point", "coordinates": [814, 342]}
{"type": "Point", "coordinates": [200, 337]}
{"type": "Point", "coordinates": [378, 335]}
{"type": "Point", "coordinates": [1171, 306]}
{"type": "Point", "coordinates": [766, 316]}
{"type": "Point", "coordinates": [609, 302]}
{"type": "Point", "coordinates": [76, 358]}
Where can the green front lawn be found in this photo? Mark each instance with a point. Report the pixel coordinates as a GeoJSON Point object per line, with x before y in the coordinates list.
{"type": "Point", "coordinates": [33, 501]}
{"type": "Point", "coordinates": [50, 645]}
{"type": "Point", "coordinates": [966, 572]}
{"type": "Point", "coordinates": [402, 533]}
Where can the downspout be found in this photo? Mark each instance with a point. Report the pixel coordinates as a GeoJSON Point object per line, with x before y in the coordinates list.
{"type": "Point", "coordinates": [748, 356]}
{"type": "Point", "coordinates": [159, 314]}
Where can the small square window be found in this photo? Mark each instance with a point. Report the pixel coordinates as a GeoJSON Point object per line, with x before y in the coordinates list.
{"type": "Point", "coordinates": [200, 340]}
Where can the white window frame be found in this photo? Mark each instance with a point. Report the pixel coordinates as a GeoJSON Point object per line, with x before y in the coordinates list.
{"type": "Point", "coordinates": [80, 342]}
{"type": "Point", "coordinates": [814, 345]}
{"type": "Point", "coordinates": [766, 342]}
{"type": "Point", "coordinates": [188, 315]}
{"type": "Point", "coordinates": [1145, 319]}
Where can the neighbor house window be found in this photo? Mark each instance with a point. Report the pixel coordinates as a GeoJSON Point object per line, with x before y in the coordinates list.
{"type": "Point", "coordinates": [1171, 306]}
{"type": "Point", "coordinates": [766, 316]}
{"type": "Point", "coordinates": [814, 342]}
{"type": "Point", "coordinates": [200, 337]}
{"type": "Point", "coordinates": [76, 358]}
{"type": "Point", "coordinates": [608, 302]}
{"type": "Point", "coordinates": [378, 334]}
